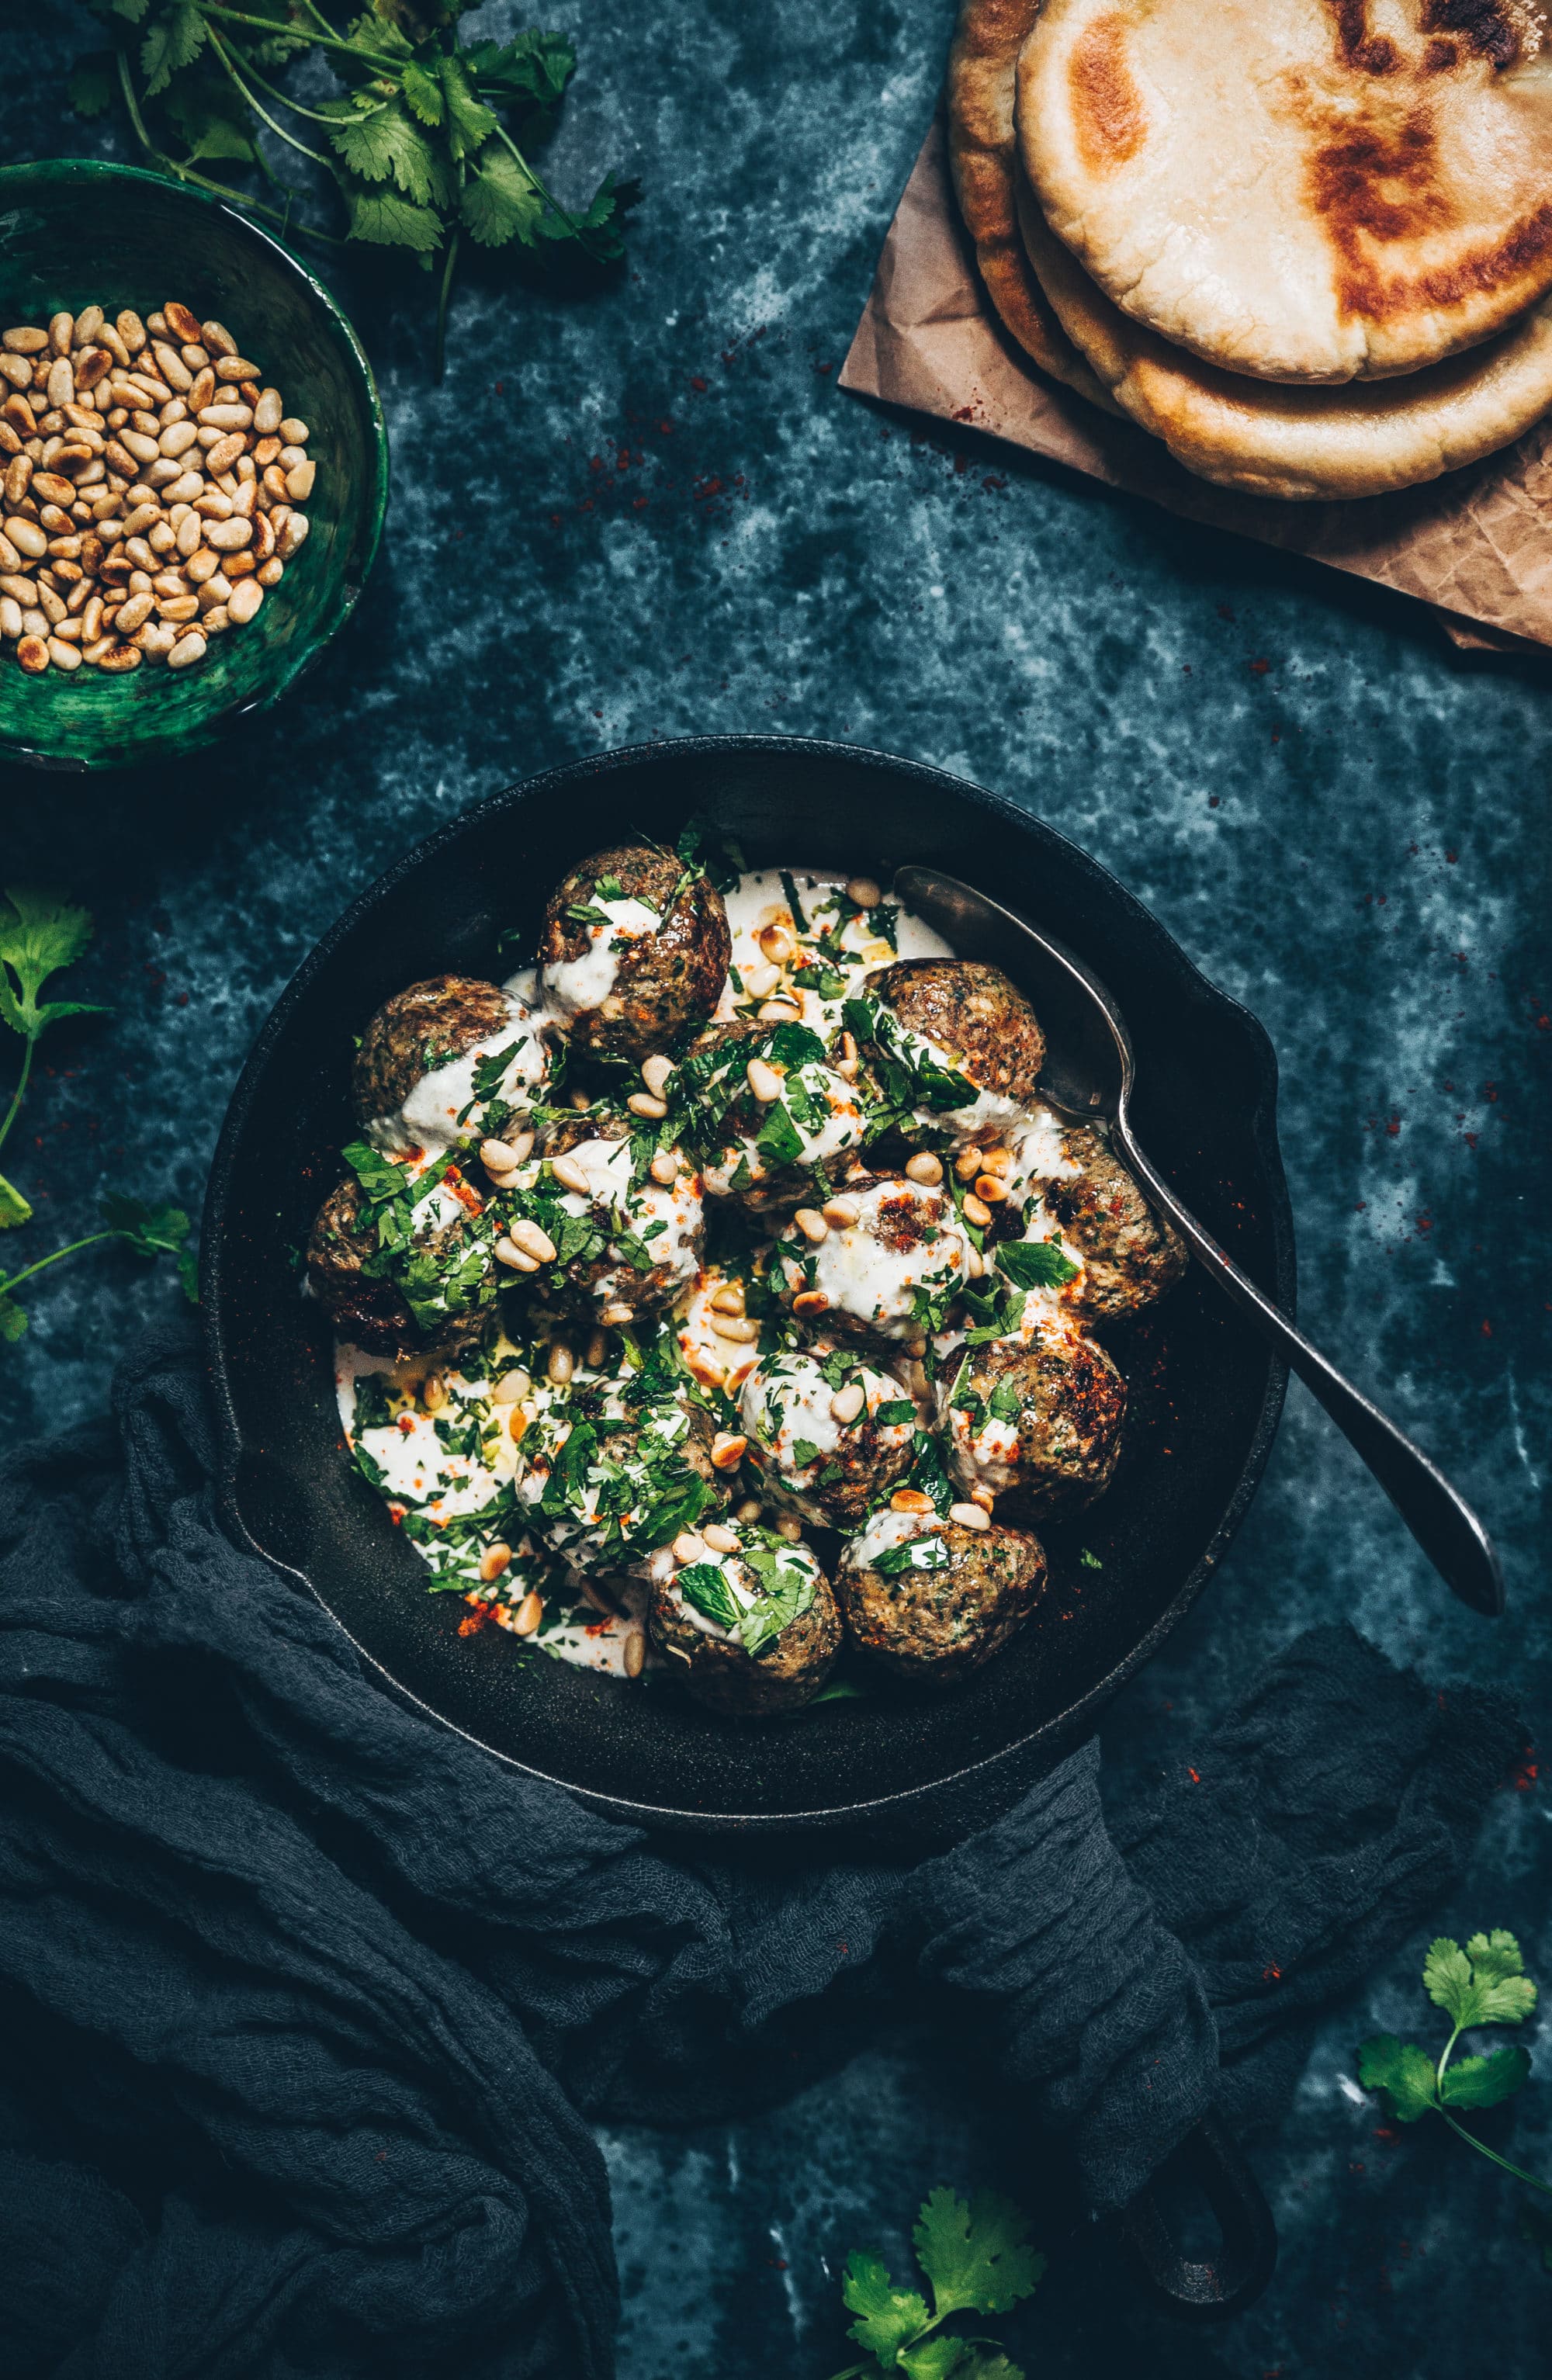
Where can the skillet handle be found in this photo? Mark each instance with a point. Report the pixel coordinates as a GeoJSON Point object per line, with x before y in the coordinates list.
{"type": "Point", "coordinates": [1208, 2160]}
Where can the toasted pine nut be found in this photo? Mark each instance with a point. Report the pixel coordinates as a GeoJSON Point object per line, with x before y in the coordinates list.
{"type": "Point", "coordinates": [493, 1560]}
{"type": "Point", "coordinates": [924, 1167]}
{"type": "Point", "coordinates": [990, 1188]}
{"type": "Point", "coordinates": [975, 1263]}
{"type": "Point", "coordinates": [810, 1301]}
{"type": "Point", "coordinates": [515, 1259]}
{"type": "Point", "coordinates": [571, 1175]}
{"type": "Point", "coordinates": [298, 480]}
{"type": "Point", "coordinates": [909, 1499]}
{"type": "Point", "coordinates": [294, 430]}
{"type": "Point", "coordinates": [983, 1497]}
{"type": "Point", "coordinates": [688, 1548]}
{"type": "Point", "coordinates": [763, 1080]}
{"type": "Point", "coordinates": [229, 536]}
{"type": "Point", "coordinates": [10, 617]}
{"type": "Point", "coordinates": [778, 944]}
{"type": "Point", "coordinates": [616, 1316]}
{"type": "Point", "coordinates": [510, 1388]}
{"type": "Point", "coordinates": [598, 1351]}
{"type": "Point", "coordinates": [560, 1367]}
{"type": "Point", "coordinates": [517, 1424]}
{"type": "Point", "coordinates": [177, 319]}
{"type": "Point", "coordinates": [998, 1160]}
{"type": "Point", "coordinates": [727, 1450]}
{"type": "Point", "coordinates": [847, 1403]}
{"type": "Point", "coordinates": [739, 1327]}
{"type": "Point", "coordinates": [841, 1212]}
{"type": "Point", "coordinates": [244, 601]}
{"type": "Point", "coordinates": [656, 1072]}
{"type": "Point", "coordinates": [496, 1156]}
{"type": "Point", "coordinates": [729, 1299]}
{"type": "Point", "coordinates": [790, 1527]}
{"type": "Point", "coordinates": [720, 1539]}
{"type": "Point", "coordinates": [533, 1242]}
{"type": "Point", "coordinates": [642, 1103]}
{"type": "Point", "coordinates": [977, 1211]}
{"type": "Point", "coordinates": [750, 1510]}
{"type": "Point", "coordinates": [864, 892]}
{"type": "Point", "coordinates": [665, 1166]}
{"type": "Point", "coordinates": [64, 655]}
{"type": "Point", "coordinates": [217, 338]}
{"type": "Point", "coordinates": [967, 1164]}
{"type": "Point", "coordinates": [521, 1146]}
{"type": "Point", "coordinates": [529, 1614]}
{"type": "Point", "coordinates": [120, 658]}
{"type": "Point", "coordinates": [970, 1516]}
{"type": "Point", "coordinates": [33, 655]}
{"type": "Point", "coordinates": [433, 1393]}
{"type": "Point", "coordinates": [812, 1224]}
{"type": "Point", "coordinates": [269, 413]}
{"type": "Point", "coordinates": [188, 650]}
{"type": "Point", "coordinates": [779, 1011]}
{"type": "Point", "coordinates": [131, 615]}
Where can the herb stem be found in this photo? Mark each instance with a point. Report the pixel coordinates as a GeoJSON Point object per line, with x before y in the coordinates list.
{"type": "Point", "coordinates": [44, 1262]}
{"type": "Point", "coordinates": [16, 1095]}
{"type": "Point", "coordinates": [548, 195]}
{"type": "Point", "coordinates": [279, 131]}
{"type": "Point", "coordinates": [439, 362]}
{"type": "Point", "coordinates": [316, 40]}
{"type": "Point", "coordinates": [202, 181]}
{"type": "Point", "coordinates": [1517, 2170]}
{"type": "Point", "coordinates": [314, 115]}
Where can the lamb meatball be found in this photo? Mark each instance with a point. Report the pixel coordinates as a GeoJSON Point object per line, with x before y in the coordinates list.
{"type": "Point", "coordinates": [623, 1247]}
{"type": "Point", "coordinates": [613, 1464]}
{"type": "Point", "coordinates": [634, 947]}
{"type": "Point", "coordinates": [1037, 1424]}
{"type": "Point", "coordinates": [368, 1306]}
{"type": "Point", "coordinates": [892, 1262]}
{"type": "Point", "coordinates": [829, 1432]}
{"type": "Point", "coordinates": [723, 1623]}
{"type": "Point", "coordinates": [414, 1074]}
{"type": "Point", "coordinates": [944, 1018]}
{"type": "Point", "coordinates": [1131, 1255]}
{"type": "Point", "coordinates": [764, 1154]}
{"type": "Point", "coordinates": [926, 1601]}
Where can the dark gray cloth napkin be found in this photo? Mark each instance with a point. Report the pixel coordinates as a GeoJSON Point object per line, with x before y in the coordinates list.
{"type": "Point", "coordinates": [305, 2001]}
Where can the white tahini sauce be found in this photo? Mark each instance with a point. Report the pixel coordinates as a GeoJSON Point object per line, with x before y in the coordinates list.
{"type": "Point", "coordinates": [441, 1110]}
{"type": "Point", "coordinates": [861, 1269]}
{"type": "Point", "coordinates": [573, 987]}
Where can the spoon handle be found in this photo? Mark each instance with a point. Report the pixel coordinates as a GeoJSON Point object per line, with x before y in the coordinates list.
{"type": "Point", "coordinates": [1440, 1519]}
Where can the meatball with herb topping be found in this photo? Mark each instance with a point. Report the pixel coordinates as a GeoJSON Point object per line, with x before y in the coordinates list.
{"type": "Point", "coordinates": [829, 1432]}
{"type": "Point", "coordinates": [445, 1061]}
{"type": "Point", "coordinates": [749, 1631]}
{"type": "Point", "coordinates": [1130, 1254]}
{"type": "Point", "coordinates": [773, 1124]}
{"type": "Point", "coordinates": [408, 1272]}
{"type": "Point", "coordinates": [956, 1045]}
{"type": "Point", "coordinates": [592, 1226]}
{"type": "Point", "coordinates": [614, 1465]}
{"type": "Point", "coordinates": [884, 1260]}
{"type": "Point", "coordinates": [925, 1601]}
{"type": "Point", "coordinates": [634, 946]}
{"type": "Point", "coordinates": [1037, 1424]}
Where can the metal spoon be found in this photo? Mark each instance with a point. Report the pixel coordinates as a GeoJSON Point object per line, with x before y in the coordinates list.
{"type": "Point", "coordinates": [1089, 1070]}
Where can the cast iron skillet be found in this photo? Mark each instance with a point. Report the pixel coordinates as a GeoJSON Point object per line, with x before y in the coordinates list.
{"type": "Point", "coordinates": [1205, 1392]}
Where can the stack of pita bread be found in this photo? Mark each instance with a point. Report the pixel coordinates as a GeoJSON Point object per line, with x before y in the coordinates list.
{"type": "Point", "coordinates": [1306, 243]}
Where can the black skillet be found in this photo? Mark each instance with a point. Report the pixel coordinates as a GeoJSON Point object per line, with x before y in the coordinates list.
{"type": "Point", "coordinates": [1205, 1392]}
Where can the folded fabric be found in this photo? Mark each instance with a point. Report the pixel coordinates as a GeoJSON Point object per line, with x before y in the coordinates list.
{"type": "Point", "coordinates": [308, 2000]}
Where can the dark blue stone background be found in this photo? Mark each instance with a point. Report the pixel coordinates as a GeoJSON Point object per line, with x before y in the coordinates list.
{"type": "Point", "coordinates": [649, 512]}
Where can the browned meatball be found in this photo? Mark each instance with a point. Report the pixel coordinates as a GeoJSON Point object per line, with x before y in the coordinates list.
{"type": "Point", "coordinates": [829, 1434]}
{"type": "Point", "coordinates": [419, 1031]}
{"type": "Point", "coordinates": [647, 1237]}
{"type": "Point", "coordinates": [368, 1310]}
{"type": "Point", "coordinates": [633, 949]}
{"type": "Point", "coordinates": [1131, 1255]}
{"type": "Point", "coordinates": [786, 1672]}
{"type": "Point", "coordinates": [1038, 1425]}
{"type": "Point", "coordinates": [964, 1594]}
{"type": "Point", "coordinates": [818, 1119]}
{"type": "Point", "coordinates": [980, 1026]}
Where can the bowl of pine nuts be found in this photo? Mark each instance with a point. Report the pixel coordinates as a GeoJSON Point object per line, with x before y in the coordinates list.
{"type": "Point", "coordinates": [193, 466]}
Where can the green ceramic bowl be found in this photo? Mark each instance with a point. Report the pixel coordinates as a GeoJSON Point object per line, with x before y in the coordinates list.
{"type": "Point", "coordinates": [75, 233]}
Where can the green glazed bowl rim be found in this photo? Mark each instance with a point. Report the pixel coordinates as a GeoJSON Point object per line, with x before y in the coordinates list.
{"type": "Point", "coordinates": [105, 169]}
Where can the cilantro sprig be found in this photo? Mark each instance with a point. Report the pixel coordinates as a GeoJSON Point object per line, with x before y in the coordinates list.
{"type": "Point", "coordinates": [39, 934]}
{"type": "Point", "coordinates": [975, 2258]}
{"type": "Point", "coordinates": [149, 1231]}
{"type": "Point", "coordinates": [428, 140]}
{"type": "Point", "coordinates": [1484, 1984]}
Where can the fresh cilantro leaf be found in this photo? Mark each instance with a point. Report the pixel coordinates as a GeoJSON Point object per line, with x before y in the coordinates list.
{"type": "Point", "coordinates": [422, 94]}
{"type": "Point", "coordinates": [1035, 1264]}
{"type": "Point", "coordinates": [795, 1045]}
{"type": "Point", "coordinates": [1004, 1403]}
{"type": "Point", "coordinates": [175, 40]}
{"type": "Point", "coordinates": [944, 2358]}
{"type": "Point", "coordinates": [488, 1072]}
{"type": "Point", "coordinates": [13, 1320]}
{"type": "Point", "coordinates": [132, 10]}
{"type": "Point", "coordinates": [469, 122]}
{"type": "Point", "coordinates": [898, 1410]}
{"type": "Point", "coordinates": [1404, 2071]}
{"type": "Point", "coordinates": [532, 66]}
{"type": "Point", "coordinates": [14, 1207]}
{"type": "Point", "coordinates": [805, 1451]}
{"type": "Point", "coordinates": [884, 921]}
{"type": "Point", "coordinates": [778, 1140]}
{"type": "Point", "coordinates": [978, 2256]}
{"type": "Point", "coordinates": [390, 222]}
{"type": "Point", "coordinates": [912, 1554]}
{"type": "Point", "coordinates": [154, 1232]}
{"type": "Point", "coordinates": [1089, 1560]}
{"type": "Point", "coordinates": [93, 83]}
{"type": "Point", "coordinates": [384, 144]}
{"type": "Point", "coordinates": [1484, 1984]}
{"type": "Point", "coordinates": [39, 934]}
{"type": "Point", "coordinates": [500, 201]}
{"type": "Point", "coordinates": [1484, 2081]}
{"type": "Point", "coordinates": [705, 1586]}
{"type": "Point", "coordinates": [378, 1175]}
{"type": "Point", "coordinates": [887, 2319]}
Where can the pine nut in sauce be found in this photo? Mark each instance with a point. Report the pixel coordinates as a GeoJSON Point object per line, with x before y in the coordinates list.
{"type": "Point", "coordinates": [633, 1653]}
{"type": "Point", "coordinates": [909, 1499]}
{"type": "Point", "coordinates": [750, 1510]}
{"type": "Point", "coordinates": [559, 1368]}
{"type": "Point", "coordinates": [533, 1242]}
{"type": "Point", "coordinates": [498, 1157]}
{"type": "Point", "coordinates": [664, 1167]}
{"type": "Point", "coordinates": [841, 1212]}
{"type": "Point", "coordinates": [642, 1103]}
{"type": "Point", "coordinates": [433, 1393]}
{"type": "Point", "coordinates": [864, 892]}
{"type": "Point", "coordinates": [998, 1160]}
{"type": "Point", "coordinates": [493, 1560]}
{"type": "Point", "coordinates": [727, 1450]}
{"type": "Point", "coordinates": [790, 1527]}
{"type": "Point", "coordinates": [721, 1540]}
{"type": "Point", "coordinates": [616, 1316]}
{"type": "Point", "coordinates": [688, 1548]}
{"type": "Point", "coordinates": [810, 1301]}
{"type": "Point", "coordinates": [598, 1351]}
{"type": "Point", "coordinates": [847, 1403]}
{"type": "Point", "coordinates": [657, 1073]}
{"type": "Point", "coordinates": [970, 1516]}
{"type": "Point", "coordinates": [977, 1211]}
{"type": "Point", "coordinates": [777, 943]}
{"type": "Point", "coordinates": [571, 1175]}
{"type": "Point", "coordinates": [967, 1164]}
{"type": "Point", "coordinates": [515, 1259]}
{"type": "Point", "coordinates": [740, 1328]}
{"type": "Point", "coordinates": [529, 1614]}
{"type": "Point", "coordinates": [812, 1224]}
{"type": "Point", "coordinates": [780, 1011]}
{"type": "Point", "coordinates": [924, 1167]}
{"type": "Point", "coordinates": [990, 1188]}
{"type": "Point", "coordinates": [763, 1081]}
{"type": "Point", "coordinates": [729, 1299]}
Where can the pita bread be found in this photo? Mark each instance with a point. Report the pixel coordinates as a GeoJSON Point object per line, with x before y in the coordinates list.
{"type": "Point", "coordinates": [1300, 442]}
{"type": "Point", "coordinates": [983, 156]}
{"type": "Point", "coordinates": [1298, 190]}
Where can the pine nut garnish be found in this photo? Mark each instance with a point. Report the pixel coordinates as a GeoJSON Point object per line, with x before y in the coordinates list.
{"type": "Point", "coordinates": [529, 1614]}
{"type": "Point", "coordinates": [812, 1224]}
{"type": "Point", "coordinates": [511, 1389]}
{"type": "Point", "coordinates": [498, 1157]}
{"type": "Point", "coordinates": [811, 1301]}
{"type": "Point", "coordinates": [688, 1547]}
{"type": "Point", "coordinates": [750, 1510]}
{"type": "Point", "coordinates": [616, 1316]}
{"type": "Point", "coordinates": [727, 1450]}
{"type": "Point", "coordinates": [909, 1499]}
{"type": "Point", "coordinates": [559, 1368]}
{"type": "Point", "coordinates": [864, 892]}
{"type": "Point", "coordinates": [656, 1074]}
{"type": "Point", "coordinates": [763, 1081]}
{"type": "Point", "coordinates": [790, 1527]}
{"type": "Point", "coordinates": [433, 1393]}
{"type": "Point", "coordinates": [128, 452]}
{"type": "Point", "coordinates": [780, 1011]}
{"type": "Point", "coordinates": [924, 1167]}
{"type": "Point", "coordinates": [632, 1654]}
{"type": "Point", "coordinates": [739, 1327]}
{"type": "Point", "coordinates": [998, 1160]}
{"type": "Point", "coordinates": [515, 1259]}
{"type": "Point", "coordinates": [493, 1560]}
{"type": "Point", "coordinates": [970, 1516]}
{"type": "Point", "coordinates": [598, 1351]}
{"type": "Point", "coordinates": [729, 1299]}
{"type": "Point", "coordinates": [777, 943]}
{"type": "Point", "coordinates": [570, 1175]}
{"type": "Point", "coordinates": [847, 1403]}
{"type": "Point", "coordinates": [841, 1212]}
{"type": "Point", "coordinates": [664, 1167]}
{"type": "Point", "coordinates": [967, 1164]}
{"type": "Point", "coordinates": [721, 1540]}
{"type": "Point", "coordinates": [992, 1188]}
{"type": "Point", "coordinates": [518, 1428]}
{"type": "Point", "coordinates": [977, 1211]}
{"type": "Point", "coordinates": [642, 1103]}
{"type": "Point", "coordinates": [533, 1242]}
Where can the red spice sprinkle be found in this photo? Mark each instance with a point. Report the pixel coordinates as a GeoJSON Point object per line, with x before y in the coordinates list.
{"type": "Point", "coordinates": [1260, 668]}
{"type": "Point", "coordinates": [406, 1422]}
{"type": "Point", "coordinates": [1195, 1775]}
{"type": "Point", "coordinates": [1271, 1974]}
{"type": "Point", "coordinates": [697, 383]}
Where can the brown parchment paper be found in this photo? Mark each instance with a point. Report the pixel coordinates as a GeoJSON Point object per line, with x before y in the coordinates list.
{"type": "Point", "coordinates": [1478, 544]}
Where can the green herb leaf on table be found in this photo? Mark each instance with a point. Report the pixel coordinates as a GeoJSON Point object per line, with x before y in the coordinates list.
{"type": "Point", "coordinates": [1484, 1984]}
{"type": "Point", "coordinates": [39, 935]}
{"type": "Point", "coordinates": [887, 2319]}
{"type": "Point", "coordinates": [977, 2258]}
{"type": "Point", "coordinates": [154, 1231]}
{"type": "Point", "coordinates": [1404, 2071]}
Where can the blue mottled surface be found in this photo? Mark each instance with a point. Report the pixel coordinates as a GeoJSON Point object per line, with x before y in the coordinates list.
{"type": "Point", "coordinates": [649, 511]}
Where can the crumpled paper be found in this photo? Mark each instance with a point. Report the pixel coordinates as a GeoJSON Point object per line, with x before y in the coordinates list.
{"type": "Point", "coordinates": [1477, 545]}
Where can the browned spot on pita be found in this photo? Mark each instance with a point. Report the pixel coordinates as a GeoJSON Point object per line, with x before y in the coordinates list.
{"type": "Point", "coordinates": [1368, 53]}
{"type": "Point", "coordinates": [1495, 30]}
{"type": "Point", "coordinates": [1440, 56]}
{"type": "Point", "coordinates": [1109, 117]}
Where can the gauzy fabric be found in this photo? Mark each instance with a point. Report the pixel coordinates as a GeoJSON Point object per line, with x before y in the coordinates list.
{"type": "Point", "coordinates": [306, 2001]}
